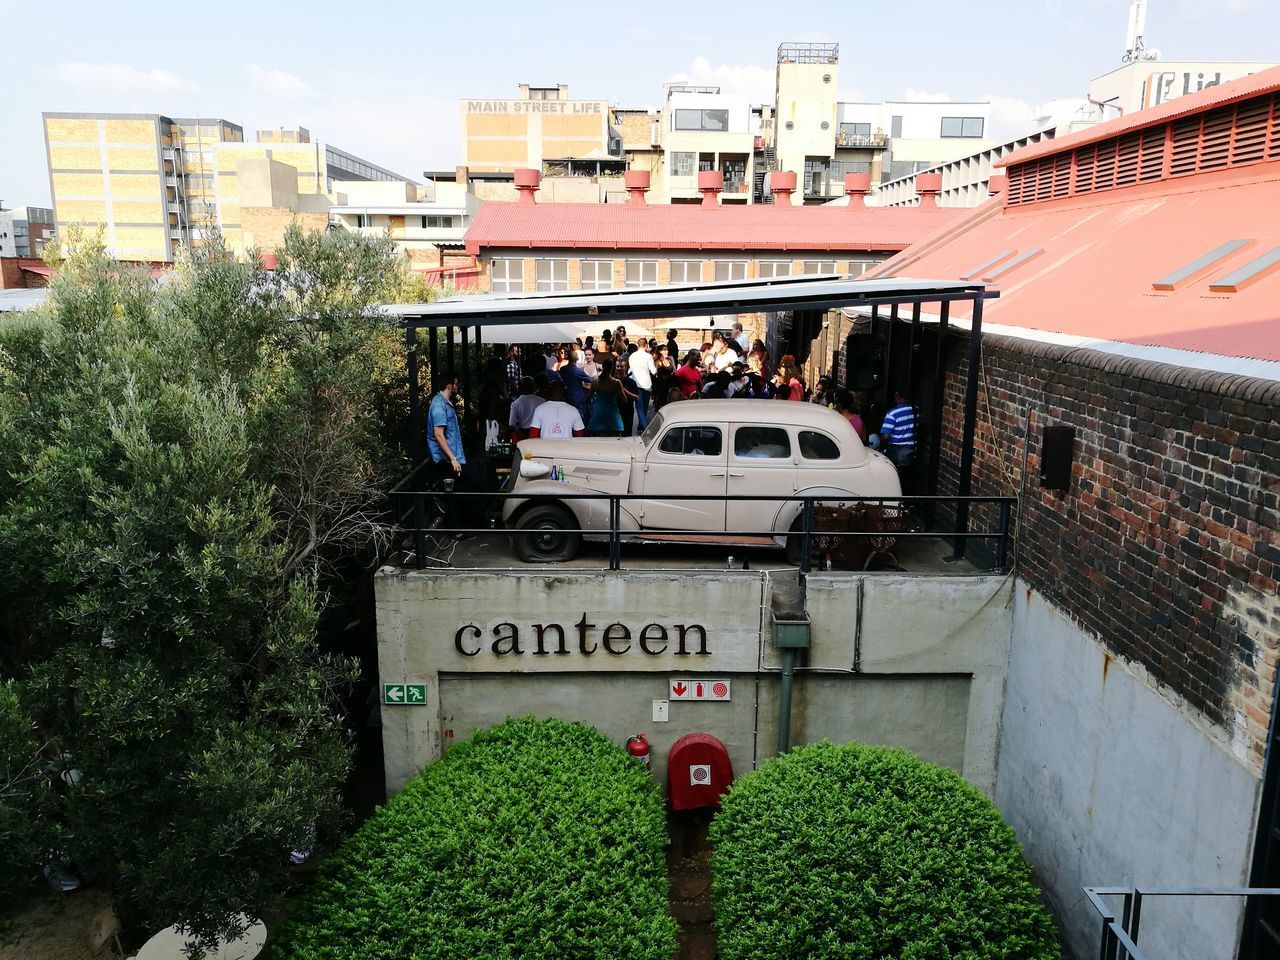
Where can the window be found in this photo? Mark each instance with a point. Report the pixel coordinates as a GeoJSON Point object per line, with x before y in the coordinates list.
{"type": "Point", "coordinates": [767, 443]}
{"type": "Point", "coordinates": [895, 126]}
{"type": "Point", "coordinates": [773, 268]}
{"type": "Point", "coordinates": [682, 164]}
{"type": "Point", "coordinates": [506, 276]}
{"type": "Point", "coordinates": [553, 275]}
{"type": "Point", "coordinates": [710, 120]}
{"type": "Point", "coordinates": [962, 126]}
{"type": "Point", "coordinates": [790, 125]}
{"type": "Point", "coordinates": [692, 441]}
{"type": "Point", "coordinates": [686, 271]}
{"type": "Point", "coordinates": [433, 222]}
{"type": "Point", "coordinates": [818, 446]}
{"type": "Point", "coordinates": [819, 266]}
{"type": "Point", "coordinates": [858, 267]}
{"type": "Point", "coordinates": [597, 274]}
{"type": "Point", "coordinates": [825, 125]}
{"type": "Point", "coordinates": [731, 270]}
{"type": "Point", "coordinates": [642, 273]}
{"type": "Point", "coordinates": [815, 177]}
{"type": "Point", "coordinates": [856, 129]}
{"type": "Point", "coordinates": [364, 220]}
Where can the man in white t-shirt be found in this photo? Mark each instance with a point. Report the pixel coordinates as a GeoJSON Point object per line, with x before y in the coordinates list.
{"type": "Point", "coordinates": [556, 419]}
{"type": "Point", "coordinates": [740, 338]}
{"type": "Point", "coordinates": [642, 371]}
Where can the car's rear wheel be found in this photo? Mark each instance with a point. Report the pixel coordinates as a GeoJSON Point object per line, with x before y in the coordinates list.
{"type": "Point", "coordinates": [547, 534]}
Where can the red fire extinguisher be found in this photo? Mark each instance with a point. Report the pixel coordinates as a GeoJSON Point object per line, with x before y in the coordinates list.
{"type": "Point", "coordinates": [638, 747]}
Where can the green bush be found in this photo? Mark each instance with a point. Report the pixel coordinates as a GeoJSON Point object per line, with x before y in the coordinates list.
{"type": "Point", "coordinates": [867, 852]}
{"type": "Point", "coordinates": [533, 839]}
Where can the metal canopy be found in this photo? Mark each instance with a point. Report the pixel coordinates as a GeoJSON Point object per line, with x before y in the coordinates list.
{"type": "Point", "coordinates": [808, 293]}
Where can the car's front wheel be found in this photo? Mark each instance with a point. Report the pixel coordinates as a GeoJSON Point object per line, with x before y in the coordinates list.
{"type": "Point", "coordinates": [548, 534]}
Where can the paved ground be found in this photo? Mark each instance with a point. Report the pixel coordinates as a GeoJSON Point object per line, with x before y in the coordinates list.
{"type": "Point", "coordinates": [689, 875]}
{"type": "Point", "coordinates": [57, 930]}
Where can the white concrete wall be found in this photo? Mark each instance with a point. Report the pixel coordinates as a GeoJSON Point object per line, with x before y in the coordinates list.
{"type": "Point", "coordinates": [1108, 783]}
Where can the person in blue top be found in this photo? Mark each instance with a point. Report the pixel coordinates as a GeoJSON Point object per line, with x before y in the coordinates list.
{"type": "Point", "coordinates": [898, 430]}
{"type": "Point", "coordinates": [444, 444]}
{"type": "Point", "coordinates": [576, 383]}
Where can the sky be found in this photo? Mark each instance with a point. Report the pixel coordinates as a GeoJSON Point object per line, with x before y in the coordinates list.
{"type": "Point", "coordinates": [383, 80]}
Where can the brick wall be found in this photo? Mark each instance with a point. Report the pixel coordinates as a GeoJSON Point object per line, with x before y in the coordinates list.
{"type": "Point", "coordinates": [1167, 543]}
{"type": "Point", "coordinates": [12, 276]}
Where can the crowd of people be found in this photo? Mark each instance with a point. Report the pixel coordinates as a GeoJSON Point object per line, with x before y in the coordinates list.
{"type": "Point", "coordinates": [612, 385]}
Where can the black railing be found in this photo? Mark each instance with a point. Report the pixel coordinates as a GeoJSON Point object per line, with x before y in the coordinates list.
{"type": "Point", "coordinates": [421, 514]}
{"type": "Point", "coordinates": [1119, 939]}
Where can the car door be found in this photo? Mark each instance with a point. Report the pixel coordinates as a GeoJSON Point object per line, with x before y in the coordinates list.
{"type": "Point", "coordinates": [761, 462]}
{"type": "Point", "coordinates": [687, 459]}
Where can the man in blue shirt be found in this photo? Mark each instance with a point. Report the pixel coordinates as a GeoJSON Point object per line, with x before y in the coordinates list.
{"type": "Point", "coordinates": [576, 384]}
{"type": "Point", "coordinates": [898, 431]}
{"type": "Point", "coordinates": [444, 444]}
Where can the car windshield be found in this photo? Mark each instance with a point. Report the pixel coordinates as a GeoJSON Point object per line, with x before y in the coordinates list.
{"type": "Point", "coordinates": [652, 430]}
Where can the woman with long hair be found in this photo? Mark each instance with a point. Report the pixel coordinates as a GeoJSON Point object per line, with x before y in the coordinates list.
{"type": "Point", "coordinates": [611, 395]}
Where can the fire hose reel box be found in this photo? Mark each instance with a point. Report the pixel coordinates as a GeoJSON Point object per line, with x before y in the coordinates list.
{"type": "Point", "coordinates": [698, 772]}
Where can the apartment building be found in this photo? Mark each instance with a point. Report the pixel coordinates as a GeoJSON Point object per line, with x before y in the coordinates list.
{"type": "Point", "coordinates": [540, 125]}
{"type": "Point", "coordinates": [156, 183]}
{"type": "Point", "coordinates": [24, 231]}
{"type": "Point", "coordinates": [702, 130]}
{"type": "Point", "coordinates": [427, 221]}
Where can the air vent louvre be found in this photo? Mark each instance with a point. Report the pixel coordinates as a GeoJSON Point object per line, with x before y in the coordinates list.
{"type": "Point", "coordinates": [1230, 136]}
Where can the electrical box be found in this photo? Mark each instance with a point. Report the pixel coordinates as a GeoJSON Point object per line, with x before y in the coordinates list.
{"type": "Point", "coordinates": [698, 772]}
{"type": "Point", "coordinates": [1055, 457]}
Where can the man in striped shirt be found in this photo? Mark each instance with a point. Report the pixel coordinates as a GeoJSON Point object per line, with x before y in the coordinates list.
{"type": "Point", "coordinates": [898, 431]}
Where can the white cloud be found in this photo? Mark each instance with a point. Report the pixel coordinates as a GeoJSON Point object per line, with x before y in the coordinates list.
{"type": "Point", "coordinates": [1010, 117]}
{"type": "Point", "coordinates": [926, 96]}
{"type": "Point", "coordinates": [278, 83]}
{"type": "Point", "coordinates": [742, 80]}
{"type": "Point", "coordinates": [120, 79]}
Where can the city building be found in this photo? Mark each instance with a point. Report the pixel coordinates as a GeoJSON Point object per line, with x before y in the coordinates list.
{"type": "Point", "coordinates": [25, 231]}
{"type": "Point", "coordinates": [702, 129]}
{"type": "Point", "coordinates": [964, 181]}
{"type": "Point", "coordinates": [427, 221]}
{"type": "Point", "coordinates": [1137, 264]}
{"type": "Point", "coordinates": [155, 183]}
{"type": "Point", "coordinates": [530, 246]}
{"type": "Point", "coordinates": [541, 125]}
{"type": "Point", "coordinates": [1150, 83]}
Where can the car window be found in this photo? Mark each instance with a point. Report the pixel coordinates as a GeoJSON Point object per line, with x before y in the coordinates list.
{"type": "Point", "coordinates": [769, 443]}
{"type": "Point", "coordinates": [692, 441]}
{"type": "Point", "coordinates": [818, 446]}
{"type": "Point", "coordinates": [652, 431]}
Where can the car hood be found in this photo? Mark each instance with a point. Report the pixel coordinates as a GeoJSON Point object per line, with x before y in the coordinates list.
{"type": "Point", "coordinates": [610, 449]}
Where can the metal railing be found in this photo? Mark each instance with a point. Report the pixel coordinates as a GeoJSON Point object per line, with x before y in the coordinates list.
{"type": "Point", "coordinates": [1119, 937]}
{"type": "Point", "coordinates": [420, 514]}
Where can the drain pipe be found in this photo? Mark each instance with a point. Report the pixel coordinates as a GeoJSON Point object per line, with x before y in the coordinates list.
{"type": "Point", "coordinates": [784, 700]}
{"type": "Point", "coordinates": [790, 636]}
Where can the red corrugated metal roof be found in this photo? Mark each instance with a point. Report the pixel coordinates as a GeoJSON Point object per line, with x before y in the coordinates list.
{"type": "Point", "coordinates": [694, 227]}
{"type": "Point", "coordinates": [1264, 81]}
{"type": "Point", "coordinates": [1100, 255]}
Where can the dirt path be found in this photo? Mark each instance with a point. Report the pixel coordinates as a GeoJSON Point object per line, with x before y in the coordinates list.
{"type": "Point", "coordinates": [57, 930]}
{"type": "Point", "coordinates": [689, 876]}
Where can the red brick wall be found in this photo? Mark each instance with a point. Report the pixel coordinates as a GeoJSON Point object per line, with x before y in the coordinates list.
{"type": "Point", "coordinates": [1167, 543]}
{"type": "Point", "coordinates": [12, 276]}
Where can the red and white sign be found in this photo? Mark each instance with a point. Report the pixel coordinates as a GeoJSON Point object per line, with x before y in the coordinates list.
{"type": "Point", "coordinates": [699, 774]}
{"type": "Point", "coordinates": [698, 688]}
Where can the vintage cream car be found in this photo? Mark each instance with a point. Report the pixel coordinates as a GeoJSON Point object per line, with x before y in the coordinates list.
{"type": "Point", "coordinates": [708, 448]}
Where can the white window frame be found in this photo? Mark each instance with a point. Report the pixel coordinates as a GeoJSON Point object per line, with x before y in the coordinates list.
{"type": "Point", "coordinates": [551, 275]}
{"type": "Point", "coordinates": [730, 270]}
{"type": "Point", "coordinates": [966, 125]}
{"type": "Point", "coordinates": [768, 269]}
{"type": "Point", "coordinates": [642, 267]}
{"type": "Point", "coordinates": [504, 279]}
{"type": "Point", "coordinates": [819, 266]}
{"type": "Point", "coordinates": [687, 266]}
{"type": "Point", "coordinates": [683, 163]}
{"type": "Point", "coordinates": [591, 274]}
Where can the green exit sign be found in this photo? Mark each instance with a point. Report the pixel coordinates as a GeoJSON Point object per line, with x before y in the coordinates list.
{"type": "Point", "coordinates": [401, 694]}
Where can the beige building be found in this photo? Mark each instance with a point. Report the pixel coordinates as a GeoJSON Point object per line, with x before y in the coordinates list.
{"type": "Point", "coordinates": [155, 183]}
{"type": "Point", "coordinates": [702, 129]}
{"type": "Point", "coordinates": [427, 221]}
{"type": "Point", "coordinates": [542, 125]}
{"type": "Point", "coordinates": [1149, 83]}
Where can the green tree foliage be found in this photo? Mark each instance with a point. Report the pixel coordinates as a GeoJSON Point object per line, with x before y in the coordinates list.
{"type": "Point", "coordinates": [182, 465]}
{"type": "Point", "coordinates": [866, 852]}
{"type": "Point", "coordinates": [536, 839]}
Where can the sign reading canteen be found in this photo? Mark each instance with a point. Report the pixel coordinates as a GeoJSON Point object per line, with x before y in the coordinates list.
{"type": "Point", "coordinates": [582, 638]}
{"type": "Point", "coordinates": [537, 106]}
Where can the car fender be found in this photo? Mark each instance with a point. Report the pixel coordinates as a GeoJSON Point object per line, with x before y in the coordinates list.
{"type": "Point", "coordinates": [886, 485]}
{"type": "Point", "coordinates": [591, 514]}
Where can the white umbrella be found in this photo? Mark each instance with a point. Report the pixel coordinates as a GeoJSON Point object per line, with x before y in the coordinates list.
{"type": "Point", "coordinates": [172, 944]}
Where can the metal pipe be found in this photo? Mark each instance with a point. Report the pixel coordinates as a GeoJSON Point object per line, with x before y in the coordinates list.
{"type": "Point", "coordinates": [970, 428]}
{"type": "Point", "coordinates": [784, 698]}
{"type": "Point", "coordinates": [939, 389]}
{"type": "Point", "coordinates": [415, 399]}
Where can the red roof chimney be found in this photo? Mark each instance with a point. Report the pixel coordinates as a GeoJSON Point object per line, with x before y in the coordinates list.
{"type": "Point", "coordinates": [997, 184]}
{"type": "Point", "coordinates": [783, 185]}
{"type": "Point", "coordinates": [857, 185]}
{"type": "Point", "coordinates": [637, 182]}
{"type": "Point", "coordinates": [710, 183]}
{"type": "Point", "coordinates": [928, 186]}
{"type": "Point", "coordinates": [527, 182]}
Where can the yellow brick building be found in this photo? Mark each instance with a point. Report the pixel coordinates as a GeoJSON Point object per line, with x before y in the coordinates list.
{"type": "Point", "coordinates": [156, 184]}
{"type": "Point", "coordinates": [542, 124]}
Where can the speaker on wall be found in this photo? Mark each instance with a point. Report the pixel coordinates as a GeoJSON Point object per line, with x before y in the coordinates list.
{"type": "Point", "coordinates": [1055, 457]}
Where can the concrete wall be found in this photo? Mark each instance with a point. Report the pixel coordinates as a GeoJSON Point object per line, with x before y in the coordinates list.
{"type": "Point", "coordinates": [1108, 783]}
{"type": "Point", "coordinates": [905, 660]}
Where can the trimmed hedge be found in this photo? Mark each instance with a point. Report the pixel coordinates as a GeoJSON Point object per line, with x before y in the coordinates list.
{"type": "Point", "coordinates": [865, 852]}
{"type": "Point", "coordinates": [535, 839]}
